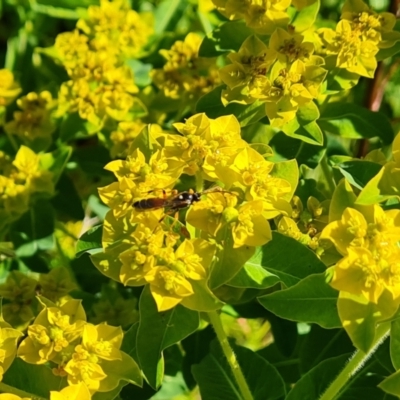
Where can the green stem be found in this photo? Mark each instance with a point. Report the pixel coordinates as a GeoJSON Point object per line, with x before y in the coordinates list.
{"type": "Point", "coordinates": [14, 144]}
{"type": "Point", "coordinates": [12, 390]}
{"type": "Point", "coordinates": [357, 361]}
{"type": "Point", "coordinates": [230, 355]}
{"type": "Point", "coordinates": [199, 182]}
{"type": "Point", "coordinates": [327, 174]}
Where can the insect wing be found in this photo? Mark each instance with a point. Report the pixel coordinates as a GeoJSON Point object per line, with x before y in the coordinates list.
{"type": "Point", "coordinates": [148, 204]}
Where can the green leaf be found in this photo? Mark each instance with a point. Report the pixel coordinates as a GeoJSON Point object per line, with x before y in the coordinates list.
{"type": "Point", "coordinates": [144, 142]}
{"type": "Point", "coordinates": [127, 371]}
{"type": "Point", "coordinates": [34, 230]}
{"type": "Point", "coordinates": [342, 198]}
{"type": "Point", "coordinates": [141, 72]}
{"type": "Point", "coordinates": [157, 331]}
{"type": "Point", "coordinates": [67, 200]}
{"type": "Point", "coordinates": [229, 262]}
{"type": "Point", "coordinates": [395, 343]}
{"type": "Point", "coordinates": [382, 186]}
{"type": "Point", "coordinates": [304, 127]}
{"type": "Point", "coordinates": [56, 161]}
{"type": "Point", "coordinates": [383, 54]}
{"type": "Point", "coordinates": [311, 300]}
{"type": "Point", "coordinates": [90, 240]}
{"type": "Point", "coordinates": [227, 37]}
{"type": "Point", "coordinates": [37, 380]}
{"type": "Point", "coordinates": [202, 299]}
{"type": "Point", "coordinates": [338, 79]}
{"type": "Point", "coordinates": [351, 121]}
{"type": "Point", "coordinates": [253, 275]}
{"type": "Point", "coordinates": [391, 384]}
{"type": "Point", "coordinates": [297, 263]}
{"type": "Point", "coordinates": [247, 114]}
{"type": "Point", "coordinates": [359, 172]}
{"type": "Point", "coordinates": [312, 385]}
{"type": "Point", "coordinates": [216, 381]}
{"type": "Point", "coordinates": [362, 317]}
{"type": "Point", "coordinates": [320, 344]}
{"type": "Point", "coordinates": [288, 148]}
{"type": "Point", "coordinates": [289, 171]}
{"type": "Point", "coordinates": [306, 17]}
{"type": "Point", "coordinates": [196, 346]}
{"type": "Point", "coordinates": [166, 12]}
{"type": "Point", "coordinates": [74, 127]}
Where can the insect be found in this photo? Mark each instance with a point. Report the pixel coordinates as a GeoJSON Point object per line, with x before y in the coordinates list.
{"type": "Point", "coordinates": [177, 202]}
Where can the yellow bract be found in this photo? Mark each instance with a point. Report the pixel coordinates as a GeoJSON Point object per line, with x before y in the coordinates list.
{"type": "Point", "coordinates": [9, 89]}
{"type": "Point", "coordinates": [369, 243]}
{"type": "Point", "coordinates": [185, 75]}
{"type": "Point", "coordinates": [79, 391]}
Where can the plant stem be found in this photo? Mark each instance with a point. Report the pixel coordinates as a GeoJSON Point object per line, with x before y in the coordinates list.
{"type": "Point", "coordinates": [355, 363]}
{"type": "Point", "coordinates": [199, 182]}
{"type": "Point", "coordinates": [327, 174]}
{"type": "Point", "coordinates": [230, 355]}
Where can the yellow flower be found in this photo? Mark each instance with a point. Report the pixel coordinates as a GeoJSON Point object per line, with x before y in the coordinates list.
{"type": "Point", "coordinates": [376, 27]}
{"type": "Point", "coordinates": [168, 287]}
{"type": "Point", "coordinates": [79, 391]}
{"type": "Point", "coordinates": [9, 89]}
{"type": "Point", "coordinates": [185, 75]}
{"type": "Point", "coordinates": [56, 284]}
{"type": "Point", "coordinates": [124, 136]}
{"type": "Point", "coordinates": [369, 273]}
{"type": "Point", "coordinates": [251, 227]}
{"type": "Point", "coordinates": [290, 47]}
{"type": "Point", "coordinates": [90, 373]}
{"type": "Point", "coordinates": [122, 27]}
{"type": "Point", "coordinates": [52, 333]}
{"type": "Point", "coordinates": [255, 177]}
{"type": "Point", "coordinates": [30, 172]}
{"type": "Point", "coordinates": [159, 173]}
{"type": "Point", "coordinates": [379, 229]}
{"type": "Point", "coordinates": [119, 196]}
{"type": "Point", "coordinates": [103, 341]}
{"type": "Point", "coordinates": [35, 120]}
{"type": "Point", "coordinates": [265, 15]}
{"type": "Point", "coordinates": [353, 52]}
{"type": "Point", "coordinates": [138, 259]}
{"type": "Point", "coordinates": [290, 89]}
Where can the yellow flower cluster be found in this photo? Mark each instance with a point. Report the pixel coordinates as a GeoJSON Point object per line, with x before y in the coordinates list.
{"type": "Point", "coordinates": [101, 86]}
{"type": "Point", "coordinates": [35, 120]}
{"type": "Point", "coordinates": [358, 37]}
{"type": "Point", "coordinates": [140, 245]}
{"type": "Point", "coordinates": [20, 179]}
{"type": "Point", "coordinates": [83, 352]}
{"type": "Point", "coordinates": [285, 75]}
{"type": "Point", "coordinates": [261, 15]}
{"type": "Point", "coordinates": [305, 224]}
{"type": "Point", "coordinates": [185, 75]}
{"type": "Point", "coordinates": [369, 243]}
{"type": "Point", "coordinates": [20, 290]}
